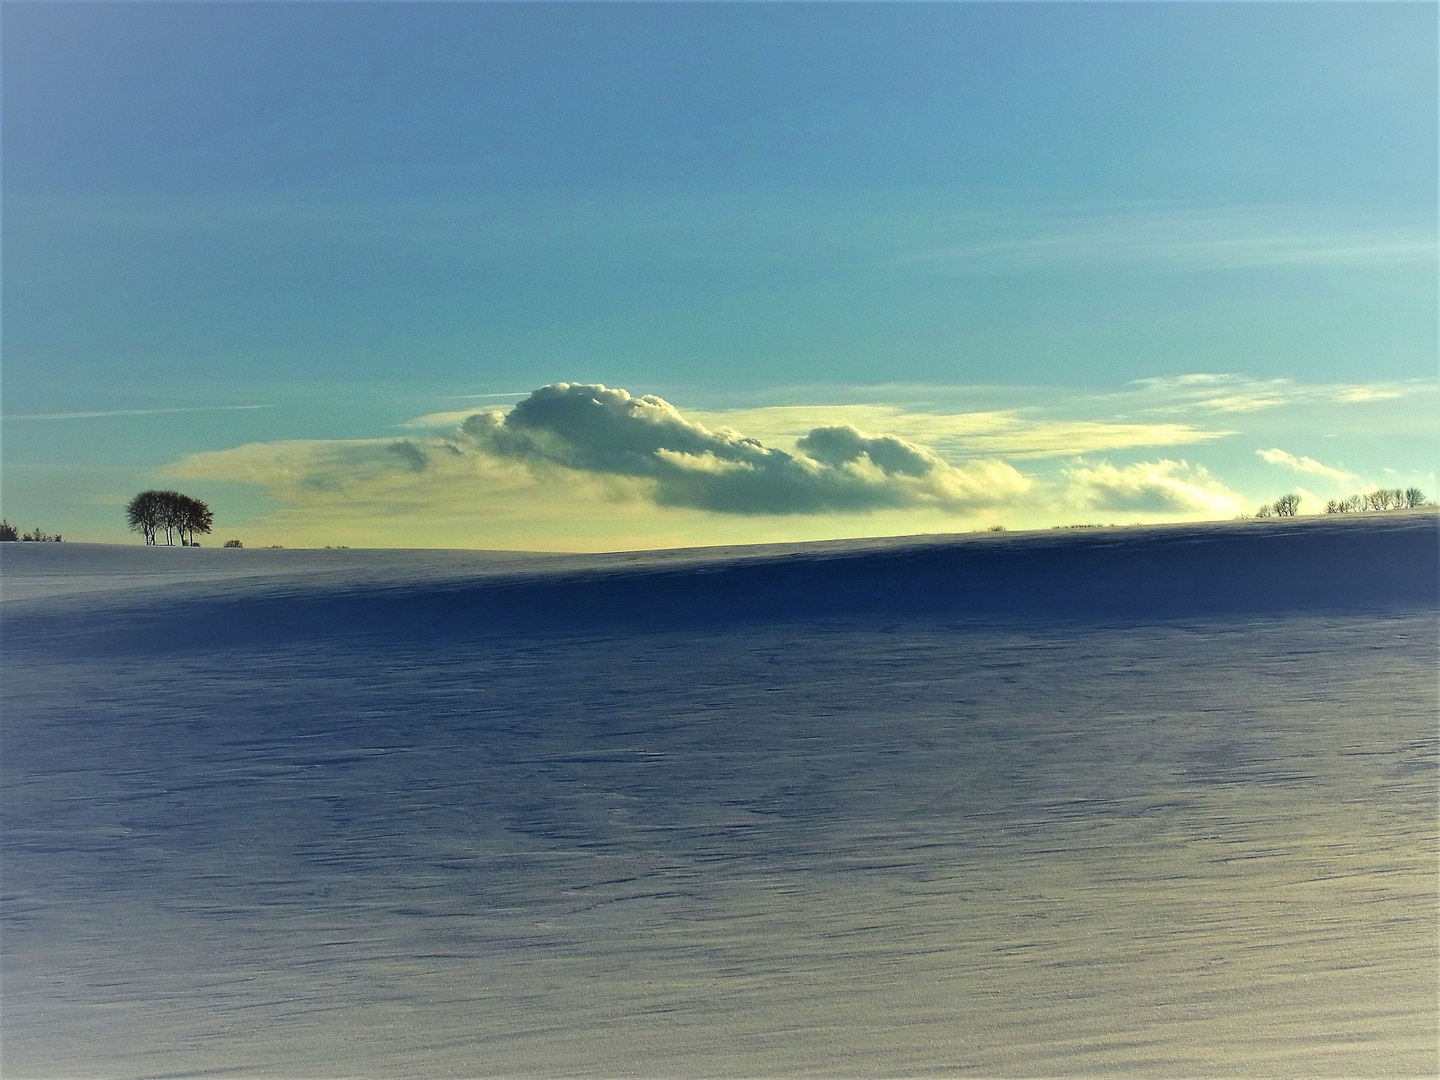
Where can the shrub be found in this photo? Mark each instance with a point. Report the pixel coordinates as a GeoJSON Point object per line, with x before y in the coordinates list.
{"type": "Point", "coordinates": [233, 543]}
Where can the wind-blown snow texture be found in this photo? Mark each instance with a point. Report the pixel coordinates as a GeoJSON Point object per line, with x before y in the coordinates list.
{"type": "Point", "coordinates": [1145, 802]}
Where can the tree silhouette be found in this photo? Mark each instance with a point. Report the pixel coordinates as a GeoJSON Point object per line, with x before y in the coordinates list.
{"type": "Point", "coordinates": [1379, 499]}
{"type": "Point", "coordinates": [1384, 499]}
{"type": "Point", "coordinates": [1286, 505]}
{"type": "Point", "coordinates": [192, 516]}
{"type": "Point", "coordinates": [169, 514]}
{"type": "Point", "coordinates": [151, 511]}
{"type": "Point", "coordinates": [143, 513]}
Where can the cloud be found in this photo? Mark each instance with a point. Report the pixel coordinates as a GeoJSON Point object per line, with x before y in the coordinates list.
{"type": "Point", "coordinates": [572, 449]}
{"type": "Point", "coordinates": [299, 470]}
{"type": "Point", "coordinates": [1310, 503]}
{"type": "Point", "coordinates": [1000, 432]}
{"type": "Point", "coordinates": [377, 493]}
{"type": "Point", "coordinates": [438, 420]}
{"type": "Point", "coordinates": [1161, 487]}
{"type": "Point", "coordinates": [1306, 465]}
{"type": "Point", "coordinates": [589, 428]}
{"type": "Point", "coordinates": [587, 467]}
{"type": "Point", "coordinates": [1369, 393]}
{"type": "Point", "coordinates": [1188, 238]}
{"type": "Point", "coordinates": [131, 412]}
{"type": "Point", "coordinates": [1230, 393]}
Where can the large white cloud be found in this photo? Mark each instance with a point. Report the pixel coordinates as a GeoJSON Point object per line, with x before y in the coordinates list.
{"type": "Point", "coordinates": [595, 429]}
{"type": "Point", "coordinates": [586, 467]}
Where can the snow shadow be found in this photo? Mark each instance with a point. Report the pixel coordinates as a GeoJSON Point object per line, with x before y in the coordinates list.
{"type": "Point", "coordinates": [1100, 577]}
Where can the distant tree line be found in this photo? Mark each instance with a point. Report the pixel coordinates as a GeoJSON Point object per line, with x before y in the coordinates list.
{"type": "Point", "coordinates": [37, 534]}
{"type": "Point", "coordinates": [152, 512]}
{"type": "Point", "coordinates": [1380, 499]}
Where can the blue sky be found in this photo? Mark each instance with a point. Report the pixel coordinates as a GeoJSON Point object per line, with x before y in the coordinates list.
{"type": "Point", "coordinates": [243, 243]}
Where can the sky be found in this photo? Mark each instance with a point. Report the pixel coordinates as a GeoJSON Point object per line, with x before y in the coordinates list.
{"type": "Point", "coordinates": [598, 276]}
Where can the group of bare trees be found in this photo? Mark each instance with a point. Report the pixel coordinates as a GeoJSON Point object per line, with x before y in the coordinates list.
{"type": "Point", "coordinates": [150, 512]}
{"type": "Point", "coordinates": [1285, 506]}
{"type": "Point", "coordinates": [1380, 499]}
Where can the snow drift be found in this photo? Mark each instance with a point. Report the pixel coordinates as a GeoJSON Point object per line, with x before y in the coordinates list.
{"type": "Point", "coordinates": [1131, 802]}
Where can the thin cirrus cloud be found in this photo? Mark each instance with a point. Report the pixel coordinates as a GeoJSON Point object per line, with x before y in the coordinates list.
{"type": "Point", "coordinates": [130, 412]}
{"type": "Point", "coordinates": [1276, 456]}
{"type": "Point", "coordinates": [1219, 238]}
{"type": "Point", "coordinates": [1001, 432]}
{"type": "Point", "coordinates": [1231, 393]}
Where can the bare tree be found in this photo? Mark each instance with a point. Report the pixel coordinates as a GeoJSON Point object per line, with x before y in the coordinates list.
{"type": "Point", "coordinates": [1286, 505]}
{"type": "Point", "coordinates": [1414, 497]}
{"type": "Point", "coordinates": [151, 511]}
{"type": "Point", "coordinates": [192, 516]}
{"type": "Point", "coordinates": [143, 512]}
{"type": "Point", "coordinates": [170, 515]}
{"type": "Point", "coordinates": [1390, 499]}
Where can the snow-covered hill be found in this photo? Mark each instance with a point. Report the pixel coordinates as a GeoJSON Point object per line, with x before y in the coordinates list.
{"type": "Point", "coordinates": [1121, 801]}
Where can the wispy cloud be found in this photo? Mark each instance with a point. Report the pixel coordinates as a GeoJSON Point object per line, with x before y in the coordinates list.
{"type": "Point", "coordinates": [1369, 393]}
{"type": "Point", "coordinates": [1277, 456]}
{"type": "Point", "coordinates": [997, 432]}
{"type": "Point", "coordinates": [1188, 238]}
{"type": "Point", "coordinates": [1165, 487]}
{"type": "Point", "coordinates": [1233, 393]}
{"type": "Point", "coordinates": [476, 397]}
{"type": "Point", "coordinates": [440, 420]}
{"type": "Point", "coordinates": [129, 412]}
